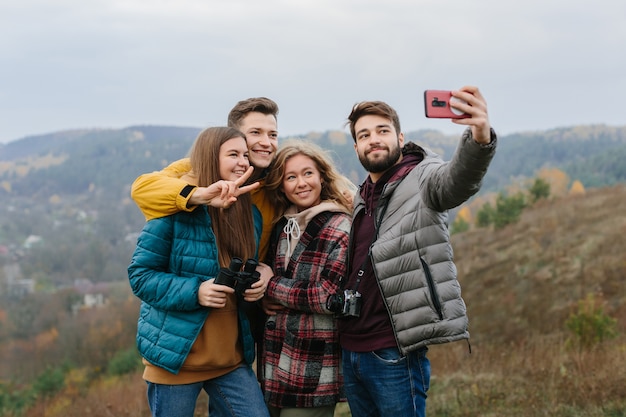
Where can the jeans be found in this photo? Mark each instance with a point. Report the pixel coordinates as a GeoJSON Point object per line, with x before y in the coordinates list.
{"type": "Point", "coordinates": [326, 411]}
{"type": "Point", "coordinates": [384, 383]}
{"type": "Point", "coordinates": [236, 394]}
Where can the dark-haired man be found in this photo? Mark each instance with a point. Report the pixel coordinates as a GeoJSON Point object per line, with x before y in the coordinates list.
{"type": "Point", "coordinates": [400, 258]}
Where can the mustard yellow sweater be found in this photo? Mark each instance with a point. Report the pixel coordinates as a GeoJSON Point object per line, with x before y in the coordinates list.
{"type": "Point", "coordinates": [162, 193]}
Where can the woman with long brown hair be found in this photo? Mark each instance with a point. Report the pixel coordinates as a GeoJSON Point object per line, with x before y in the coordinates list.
{"type": "Point", "coordinates": [192, 332]}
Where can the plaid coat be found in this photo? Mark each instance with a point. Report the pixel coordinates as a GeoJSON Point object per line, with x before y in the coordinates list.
{"type": "Point", "coordinates": [301, 352]}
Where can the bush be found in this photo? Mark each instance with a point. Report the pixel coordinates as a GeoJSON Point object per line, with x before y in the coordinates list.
{"type": "Point", "coordinates": [14, 401]}
{"type": "Point", "coordinates": [459, 225]}
{"type": "Point", "coordinates": [485, 215]}
{"type": "Point", "coordinates": [508, 209]}
{"type": "Point", "coordinates": [590, 324]}
{"type": "Point", "coordinates": [540, 189]}
{"type": "Point", "coordinates": [124, 362]}
{"type": "Point", "coordinates": [49, 382]}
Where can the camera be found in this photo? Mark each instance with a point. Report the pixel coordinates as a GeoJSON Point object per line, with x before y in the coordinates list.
{"type": "Point", "coordinates": [346, 304]}
{"type": "Point", "coordinates": [438, 103]}
{"type": "Point", "coordinates": [235, 277]}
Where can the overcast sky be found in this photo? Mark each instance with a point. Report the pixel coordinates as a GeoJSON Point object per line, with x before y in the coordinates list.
{"type": "Point", "coordinates": [541, 64]}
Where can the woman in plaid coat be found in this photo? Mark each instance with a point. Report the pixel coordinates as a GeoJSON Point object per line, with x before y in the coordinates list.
{"type": "Point", "coordinates": [300, 354]}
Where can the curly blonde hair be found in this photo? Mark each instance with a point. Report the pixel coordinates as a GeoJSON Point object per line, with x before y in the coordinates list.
{"type": "Point", "coordinates": [336, 187]}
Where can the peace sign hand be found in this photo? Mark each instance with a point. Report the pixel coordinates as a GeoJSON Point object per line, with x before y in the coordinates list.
{"type": "Point", "coordinates": [222, 193]}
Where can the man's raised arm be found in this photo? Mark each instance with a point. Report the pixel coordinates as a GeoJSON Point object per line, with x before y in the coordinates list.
{"type": "Point", "coordinates": [161, 193]}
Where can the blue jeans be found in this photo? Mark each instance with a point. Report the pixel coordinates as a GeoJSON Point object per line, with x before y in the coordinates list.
{"type": "Point", "coordinates": [236, 394]}
{"type": "Point", "coordinates": [384, 383]}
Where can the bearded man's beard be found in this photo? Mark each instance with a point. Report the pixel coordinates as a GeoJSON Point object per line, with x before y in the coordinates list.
{"type": "Point", "coordinates": [381, 164]}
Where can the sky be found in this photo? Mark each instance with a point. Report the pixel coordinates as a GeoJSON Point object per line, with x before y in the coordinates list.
{"type": "Point", "coordinates": [75, 64]}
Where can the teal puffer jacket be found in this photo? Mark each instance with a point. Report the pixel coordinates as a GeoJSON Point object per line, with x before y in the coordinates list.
{"type": "Point", "coordinates": [174, 255]}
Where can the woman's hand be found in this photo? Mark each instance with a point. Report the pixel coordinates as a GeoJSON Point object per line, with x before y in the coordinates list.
{"type": "Point", "coordinates": [257, 290]}
{"type": "Point", "coordinates": [213, 295]}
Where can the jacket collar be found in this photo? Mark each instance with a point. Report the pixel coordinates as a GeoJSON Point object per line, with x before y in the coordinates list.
{"type": "Point", "coordinates": [370, 192]}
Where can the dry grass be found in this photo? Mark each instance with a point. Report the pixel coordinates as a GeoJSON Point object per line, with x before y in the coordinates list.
{"type": "Point", "coordinates": [537, 378]}
{"type": "Point", "coordinates": [116, 397]}
{"type": "Point", "coordinates": [119, 397]}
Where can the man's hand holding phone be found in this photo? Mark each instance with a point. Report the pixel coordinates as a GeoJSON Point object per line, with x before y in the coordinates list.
{"type": "Point", "coordinates": [465, 106]}
{"type": "Point", "coordinates": [442, 104]}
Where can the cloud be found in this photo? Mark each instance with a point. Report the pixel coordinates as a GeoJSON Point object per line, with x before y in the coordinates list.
{"type": "Point", "coordinates": [74, 64]}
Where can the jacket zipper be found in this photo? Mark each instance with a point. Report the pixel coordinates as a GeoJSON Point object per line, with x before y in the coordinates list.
{"type": "Point", "coordinates": [431, 288]}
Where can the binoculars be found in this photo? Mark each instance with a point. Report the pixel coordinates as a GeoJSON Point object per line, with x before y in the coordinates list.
{"type": "Point", "coordinates": [236, 277]}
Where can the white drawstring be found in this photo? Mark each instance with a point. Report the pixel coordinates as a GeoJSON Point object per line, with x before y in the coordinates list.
{"type": "Point", "coordinates": [292, 228]}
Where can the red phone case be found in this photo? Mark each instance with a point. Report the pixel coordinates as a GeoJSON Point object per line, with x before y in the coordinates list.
{"type": "Point", "coordinates": [437, 105]}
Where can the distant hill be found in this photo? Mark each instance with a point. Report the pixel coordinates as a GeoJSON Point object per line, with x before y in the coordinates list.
{"type": "Point", "coordinates": [74, 162]}
{"type": "Point", "coordinates": [593, 155]}
{"type": "Point", "coordinates": [77, 161]}
{"type": "Point", "coordinates": [72, 188]}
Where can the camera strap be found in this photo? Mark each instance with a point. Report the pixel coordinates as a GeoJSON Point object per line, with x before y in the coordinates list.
{"type": "Point", "coordinates": [382, 204]}
{"type": "Point", "coordinates": [359, 275]}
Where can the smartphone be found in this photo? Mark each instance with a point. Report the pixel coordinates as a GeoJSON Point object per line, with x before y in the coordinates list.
{"type": "Point", "coordinates": [437, 105]}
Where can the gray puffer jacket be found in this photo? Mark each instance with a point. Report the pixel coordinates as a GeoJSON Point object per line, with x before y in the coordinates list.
{"type": "Point", "coordinates": [412, 254]}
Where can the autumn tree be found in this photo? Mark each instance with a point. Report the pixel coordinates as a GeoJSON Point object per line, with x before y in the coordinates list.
{"type": "Point", "coordinates": [557, 179]}
{"type": "Point", "coordinates": [577, 188]}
